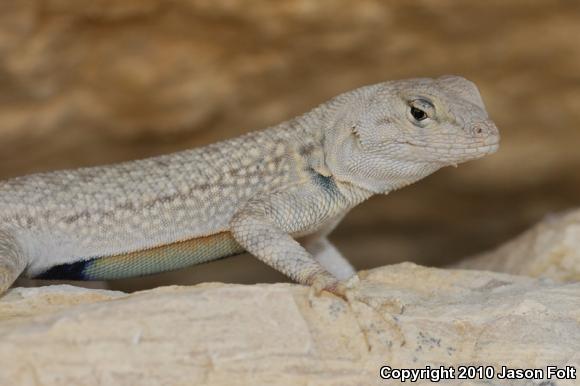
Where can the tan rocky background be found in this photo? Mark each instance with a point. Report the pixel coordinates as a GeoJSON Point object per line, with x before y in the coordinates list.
{"type": "Point", "coordinates": [90, 83]}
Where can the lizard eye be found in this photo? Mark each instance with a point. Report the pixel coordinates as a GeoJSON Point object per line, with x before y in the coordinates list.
{"type": "Point", "coordinates": [421, 109]}
{"type": "Point", "coordinates": [418, 114]}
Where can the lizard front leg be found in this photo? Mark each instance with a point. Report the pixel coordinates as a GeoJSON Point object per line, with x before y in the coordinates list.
{"type": "Point", "coordinates": [263, 226]}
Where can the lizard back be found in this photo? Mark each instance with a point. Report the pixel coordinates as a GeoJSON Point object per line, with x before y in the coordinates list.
{"type": "Point", "coordinates": [86, 214]}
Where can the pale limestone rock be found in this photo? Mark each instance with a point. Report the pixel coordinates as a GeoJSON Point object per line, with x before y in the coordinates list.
{"type": "Point", "coordinates": [550, 249]}
{"type": "Point", "coordinates": [219, 334]}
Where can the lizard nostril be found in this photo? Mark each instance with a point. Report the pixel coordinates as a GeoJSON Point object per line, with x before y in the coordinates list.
{"type": "Point", "coordinates": [479, 130]}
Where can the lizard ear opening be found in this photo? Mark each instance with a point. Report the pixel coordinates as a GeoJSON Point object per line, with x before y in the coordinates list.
{"type": "Point", "coordinates": [357, 135]}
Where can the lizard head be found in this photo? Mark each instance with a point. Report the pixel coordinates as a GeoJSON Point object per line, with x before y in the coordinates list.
{"type": "Point", "coordinates": [388, 135]}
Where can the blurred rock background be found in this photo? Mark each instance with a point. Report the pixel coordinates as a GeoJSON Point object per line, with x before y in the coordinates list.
{"type": "Point", "coordinates": [87, 83]}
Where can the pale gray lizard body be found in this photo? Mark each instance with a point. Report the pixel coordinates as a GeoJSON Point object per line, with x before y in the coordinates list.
{"type": "Point", "coordinates": [257, 193]}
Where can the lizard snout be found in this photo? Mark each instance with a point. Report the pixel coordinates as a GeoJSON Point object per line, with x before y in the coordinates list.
{"type": "Point", "coordinates": [485, 131]}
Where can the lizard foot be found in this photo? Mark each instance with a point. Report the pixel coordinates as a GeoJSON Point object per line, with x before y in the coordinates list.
{"type": "Point", "coordinates": [377, 296]}
{"type": "Point", "coordinates": [334, 286]}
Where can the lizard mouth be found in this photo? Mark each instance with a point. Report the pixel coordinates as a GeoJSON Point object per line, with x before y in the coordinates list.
{"type": "Point", "coordinates": [445, 155]}
{"type": "Point", "coordinates": [476, 148]}
{"type": "Point", "coordinates": [492, 148]}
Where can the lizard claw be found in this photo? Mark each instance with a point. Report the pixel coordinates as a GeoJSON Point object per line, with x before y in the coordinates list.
{"type": "Point", "coordinates": [331, 285]}
{"type": "Point", "coordinates": [354, 290]}
{"type": "Point", "coordinates": [334, 286]}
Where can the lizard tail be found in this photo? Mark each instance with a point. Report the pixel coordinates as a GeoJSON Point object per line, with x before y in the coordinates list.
{"type": "Point", "coordinates": [12, 261]}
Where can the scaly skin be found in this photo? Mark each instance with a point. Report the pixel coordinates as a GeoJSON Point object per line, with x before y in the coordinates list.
{"type": "Point", "coordinates": [276, 193]}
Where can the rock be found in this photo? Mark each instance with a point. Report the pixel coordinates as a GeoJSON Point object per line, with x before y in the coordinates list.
{"type": "Point", "coordinates": [550, 249]}
{"type": "Point", "coordinates": [220, 334]}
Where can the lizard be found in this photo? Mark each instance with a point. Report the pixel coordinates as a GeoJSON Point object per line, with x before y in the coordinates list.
{"type": "Point", "coordinates": [275, 193]}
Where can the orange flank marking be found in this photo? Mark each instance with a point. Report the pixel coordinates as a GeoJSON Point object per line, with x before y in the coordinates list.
{"type": "Point", "coordinates": [163, 258]}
